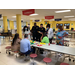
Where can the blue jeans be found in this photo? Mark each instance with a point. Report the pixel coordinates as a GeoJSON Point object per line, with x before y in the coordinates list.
{"type": "Point", "coordinates": [28, 52]}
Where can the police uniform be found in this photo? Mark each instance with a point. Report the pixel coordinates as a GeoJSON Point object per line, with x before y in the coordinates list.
{"type": "Point", "coordinates": [35, 30]}
{"type": "Point", "coordinates": [41, 30]}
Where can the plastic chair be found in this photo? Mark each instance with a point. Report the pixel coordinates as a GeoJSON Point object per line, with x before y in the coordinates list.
{"type": "Point", "coordinates": [33, 56]}
{"type": "Point", "coordinates": [47, 60]}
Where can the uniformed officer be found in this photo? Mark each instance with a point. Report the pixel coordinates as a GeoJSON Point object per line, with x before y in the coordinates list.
{"type": "Point", "coordinates": [41, 32]}
{"type": "Point", "coordinates": [35, 30]}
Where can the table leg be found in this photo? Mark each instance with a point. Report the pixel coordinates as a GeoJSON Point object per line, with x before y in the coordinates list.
{"type": "Point", "coordinates": [33, 61]}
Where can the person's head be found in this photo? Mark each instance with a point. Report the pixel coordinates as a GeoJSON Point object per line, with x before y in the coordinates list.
{"type": "Point", "coordinates": [26, 28]}
{"type": "Point", "coordinates": [26, 36]}
{"type": "Point", "coordinates": [60, 28]}
{"type": "Point", "coordinates": [15, 38]}
{"type": "Point", "coordinates": [48, 26]}
{"type": "Point", "coordinates": [41, 25]}
{"type": "Point", "coordinates": [34, 24]}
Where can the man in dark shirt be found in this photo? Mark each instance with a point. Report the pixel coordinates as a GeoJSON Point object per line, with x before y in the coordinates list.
{"type": "Point", "coordinates": [35, 30]}
{"type": "Point", "coordinates": [41, 32]}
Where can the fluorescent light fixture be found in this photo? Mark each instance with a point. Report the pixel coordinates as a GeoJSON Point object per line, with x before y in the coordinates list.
{"type": "Point", "coordinates": [62, 11]}
{"type": "Point", "coordinates": [33, 14]}
{"type": "Point", "coordinates": [14, 16]}
{"type": "Point", "coordinates": [68, 16]}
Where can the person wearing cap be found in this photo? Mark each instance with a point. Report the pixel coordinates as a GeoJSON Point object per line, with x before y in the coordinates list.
{"type": "Point", "coordinates": [41, 32]}
{"type": "Point", "coordinates": [35, 33]}
{"type": "Point", "coordinates": [50, 33]}
{"type": "Point", "coordinates": [60, 35]}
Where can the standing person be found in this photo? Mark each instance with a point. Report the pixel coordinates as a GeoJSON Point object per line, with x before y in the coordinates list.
{"type": "Point", "coordinates": [15, 46]}
{"type": "Point", "coordinates": [25, 47]}
{"type": "Point", "coordinates": [27, 31]}
{"type": "Point", "coordinates": [50, 33]}
{"type": "Point", "coordinates": [41, 32]}
{"type": "Point", "coordinates": [60, 35]}
{"type": "Point", "coordinates": [35, 30]}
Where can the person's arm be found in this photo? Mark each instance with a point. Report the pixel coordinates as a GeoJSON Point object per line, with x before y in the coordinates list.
{"type": "Point", "coordinates": [65, 34]}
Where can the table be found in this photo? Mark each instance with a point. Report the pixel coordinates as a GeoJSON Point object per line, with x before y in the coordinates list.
{"type": "Point", "coordinates": [72, 33]}
{"type": "Point", "coordinates": [59, 49]}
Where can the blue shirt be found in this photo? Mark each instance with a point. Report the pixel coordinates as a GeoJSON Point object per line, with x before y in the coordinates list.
{"type": "Point", "coordinates": [61, 34]}
{"type": "Point", "coordinates": [25, 45]}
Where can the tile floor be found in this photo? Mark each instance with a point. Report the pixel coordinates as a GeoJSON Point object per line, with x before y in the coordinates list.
{"type": "Point", "coordinates": [6, 59]}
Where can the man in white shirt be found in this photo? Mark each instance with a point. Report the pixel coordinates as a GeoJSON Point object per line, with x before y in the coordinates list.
{"type": "Point", "coordinates": [50, 33]}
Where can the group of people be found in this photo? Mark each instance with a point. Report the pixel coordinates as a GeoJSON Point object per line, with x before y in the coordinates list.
{"type": "Point", "coordinates": [39, 34]}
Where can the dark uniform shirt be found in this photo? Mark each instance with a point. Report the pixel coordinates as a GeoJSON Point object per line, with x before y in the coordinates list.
{"type": "Point", "coordinates": [35, 29]}
{"type": "Point", "coordinates": [42, 30]}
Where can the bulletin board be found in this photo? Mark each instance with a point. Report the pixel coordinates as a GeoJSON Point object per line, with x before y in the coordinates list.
{"type": "Point", "coordinates": [58, 24]}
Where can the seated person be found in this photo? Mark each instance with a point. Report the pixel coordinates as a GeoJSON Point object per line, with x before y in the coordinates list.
{"type": "Point", "coordinates": [15, 46]}
{"type": "Point", "coordinates": [45, 39]}
{"type": "Point", "coordinates": [25, 47]}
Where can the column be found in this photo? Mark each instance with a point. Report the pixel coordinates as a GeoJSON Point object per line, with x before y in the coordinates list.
{"type": "Point", "coordinates": [19, 28]}
{"type": "Point", "coordinates": [11, 25]}
{"type": "Point", "coordinates": [5, 23]}
{"type": "Point", "coordinates": [31, 24]}
{"type": "Point", "coordinates": [26, 23]}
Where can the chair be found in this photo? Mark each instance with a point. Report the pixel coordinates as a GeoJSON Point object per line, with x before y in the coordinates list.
{"type": "Point", "coordinates": [47, 60]}
{"type": "Point", "coordinates": [64, 64]}
{"type": "Point", "coordinates": [8, 49]}
{"type": "Point", "coordinates": [33, 56]}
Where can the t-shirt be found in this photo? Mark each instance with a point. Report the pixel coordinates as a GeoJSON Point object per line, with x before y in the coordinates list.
{"type": "Point", "coordinates": [50, 33]}
{"type": "Point", "coordinates": [27, 32]}
{"type": "Point", "coordinates": [42, 30]}
{"type": "Point", "coordinates": [61, 34]}
{"type": "Point", "coordinates": [45, 40]}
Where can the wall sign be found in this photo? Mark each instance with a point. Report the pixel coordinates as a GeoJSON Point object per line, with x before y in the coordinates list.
{"type": "Point", "coordinates": [58, 19]}
{"type": "Point", "coordinates": [37, 20]}
{"type": "Point", "coordinates": [28, 12]}
{"type": "Point", "coordinates": [49, 17]}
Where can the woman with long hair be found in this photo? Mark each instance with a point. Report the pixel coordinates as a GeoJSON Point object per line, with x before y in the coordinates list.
{"type": "Point", "coordinates": [16, 43]}
{"type": "Point", "coordinates": [26, 30]}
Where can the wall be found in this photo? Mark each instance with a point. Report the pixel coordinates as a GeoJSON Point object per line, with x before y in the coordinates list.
{"type": "Point", "coordinates": [63, 22]}
{"type": "Point", "coordinates": [15, 26]}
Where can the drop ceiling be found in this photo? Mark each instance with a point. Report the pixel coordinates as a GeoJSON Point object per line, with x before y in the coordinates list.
{"type": "Point", "coordinates": [42, 13]}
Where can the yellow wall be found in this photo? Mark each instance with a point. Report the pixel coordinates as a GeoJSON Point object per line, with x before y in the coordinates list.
{"type": "Point", "coordinates": [63, 22]}
{"type": "Point", "coordinates": [53, 24]}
